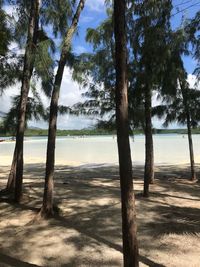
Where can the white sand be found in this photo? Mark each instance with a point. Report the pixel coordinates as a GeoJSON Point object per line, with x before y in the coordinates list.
{"type": "Point", "coordinates": [88, 230]}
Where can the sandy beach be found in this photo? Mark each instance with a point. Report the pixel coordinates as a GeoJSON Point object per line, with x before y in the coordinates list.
{"type": "Point", "coordinates": [87, 231]}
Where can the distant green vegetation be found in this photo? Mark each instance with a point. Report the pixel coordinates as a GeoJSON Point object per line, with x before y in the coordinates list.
{"type": "Point", "coordinates": [175, 131]}
{"type": "Point", "coordinates": [90, 132]}
{"type": "Point", "coordinates": [42, 132]}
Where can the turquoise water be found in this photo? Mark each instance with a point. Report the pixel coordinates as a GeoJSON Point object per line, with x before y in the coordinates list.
{"type": "Point", "coordinates": [169, 149]}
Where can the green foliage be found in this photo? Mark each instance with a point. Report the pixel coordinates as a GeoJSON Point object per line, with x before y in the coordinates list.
{"type": "Point", "coordinates": [53, 14]}
{"type": "Point", "coordinates": [149, 39]}
{"type": "Point", "coordinates": [5, 34]}
{"type": "Point", "coordinates": [44, 65]}
{"type": "Point", "coordinates": [62, 110]}
{"type": "Point", "coordinates": [180, 102]}
{"type": "Point", "coordinates": [7, 70]}
{"type": "Point", "coordinates": [174, 110]}
{"type": "Point", "coordinates": [10, 70]}
{"type": "Point", "coordinates": [34, 110]}
{"type": "Point", "coordinates": [96, 72]}
{"type": "Point", "coordinates": [192, 29]}
{"type": "Point", "coordinates": [57, 14]}
{"type": "Point", "coordinates": [148, 34]}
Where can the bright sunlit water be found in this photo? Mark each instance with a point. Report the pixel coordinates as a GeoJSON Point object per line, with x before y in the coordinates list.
{"type": "Point", "coordinates": [168, 149]}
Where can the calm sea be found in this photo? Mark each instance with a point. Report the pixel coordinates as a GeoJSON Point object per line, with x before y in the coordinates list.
{"type": "Point", "coordinates": [169, 149]}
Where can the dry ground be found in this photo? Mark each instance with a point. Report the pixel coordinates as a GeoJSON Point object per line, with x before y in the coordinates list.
{"type": "Point", "coordinates": [87, 231]}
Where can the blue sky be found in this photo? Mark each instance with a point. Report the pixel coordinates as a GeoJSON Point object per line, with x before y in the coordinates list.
{"type": "Point", "coordinates": [185, 9]}
{"type": "Point", "coordinates": [92, 15]}
{"type": "Point", "coordinates": [95, 12]}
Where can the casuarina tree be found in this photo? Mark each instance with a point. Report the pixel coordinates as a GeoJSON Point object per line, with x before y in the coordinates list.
{"type": "Point", "coordinates": [129, 228]}
{"type": "Point", "coordinates": [47, 206]}
{"type": "Point", "coordinates": [26, 77]}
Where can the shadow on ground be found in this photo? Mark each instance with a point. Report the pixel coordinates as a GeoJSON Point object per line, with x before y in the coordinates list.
{"type": "Point", "coordinates": [87, 231]}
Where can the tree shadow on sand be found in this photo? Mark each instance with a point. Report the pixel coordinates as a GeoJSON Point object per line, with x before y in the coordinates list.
{"type": "Point", "coordinates": [90, 218]}
{"type": "Point", "coordinates": [6, 260]}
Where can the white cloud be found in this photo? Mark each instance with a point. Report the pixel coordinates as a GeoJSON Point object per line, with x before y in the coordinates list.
{"type": "Point", "coordinates": [70, 94]}
{"type": "Point", "coordinates": [86, 19]}
{"type": "Point", "coordinates": [14, 48]}
{"type": "Point", "coordinates": [10, 9]}
{"type": "Point", "coordinates": [96, 5]}
{"type": "Point", "coordinates": [192, 80]}
{"type": "Point", "coordinates": [72, 122]}
{"type": "Point", "coordinates": [79, 49]}
{"type": "Point", "coordinates": [6, 98]}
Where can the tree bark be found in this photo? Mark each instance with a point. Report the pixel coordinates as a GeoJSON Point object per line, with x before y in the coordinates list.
{"type": "Point", "coordinates": [184, 88]}
{"type": "Point", "coordinates": [27, 73]}
{"type": "Point", "coordinates": [149, 155]}
{"type": "Point", "coordinates": [47, 207]}
{"type": "Point", "coordinates": [12, 175]}
{"type": "Point", "coordinates": [192, 164]}
{"type": "Point", "coordinates": [129, 227]}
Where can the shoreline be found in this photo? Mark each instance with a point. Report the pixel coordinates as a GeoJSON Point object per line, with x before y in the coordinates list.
{"type": "Point", "coordinates": [99, 135]}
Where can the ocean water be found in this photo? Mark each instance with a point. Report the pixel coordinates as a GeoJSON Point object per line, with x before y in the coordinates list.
{"type": "Point", "coordinates": [168, 149]}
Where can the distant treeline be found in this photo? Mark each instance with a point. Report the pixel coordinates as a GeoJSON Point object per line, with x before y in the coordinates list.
{"type": "Point", "coordinates": [88, 132]}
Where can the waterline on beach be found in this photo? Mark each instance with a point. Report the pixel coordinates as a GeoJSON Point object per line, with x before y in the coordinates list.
{"type": "Point", "coordinates": [169, 149]}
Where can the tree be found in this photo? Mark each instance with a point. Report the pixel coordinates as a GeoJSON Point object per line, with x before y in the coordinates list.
{"type": "Point", "coordinates": [129, 228]}
{"type": "Point", "coordinates": [181, 104]}
{"type": "Point", "coordinates": [178, 96]}
{"type": "Point", "coordinates": [192, 28]}
{"type": "Point", "coordinates": [47, 207]}
{"type": "Point", "coordinates": [5, 32]}
{"type": "Point", "coordinates": [41, 63]}
{"type": "Point", "coordinates": [149, 44]}
{"type": "Point", "coordinates": [146, 58]}
{"type": "Point", "coordinates": [183, 108]}
{"type": "Point", "coordinates": [35, 109]}
{"type": "Point", "coordinates": [185, 96]}
{"type": "Point", "coordinates": [27, 73]}
{"type": "Point", "coordinates": [96, 71]}
{"type": "Point", "coordinates": [41, 72]}
{"type": "Point", "coordinates": [8, 65]}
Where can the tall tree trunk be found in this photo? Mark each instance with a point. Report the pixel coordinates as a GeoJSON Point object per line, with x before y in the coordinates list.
{"type": "Point", "coordinates": [149, 155]}
{"type": "Point", "coordinates": [192, 164]}
{"type": "Point", "coordinates": [129, 227]}
{"type": "Point", "coordinates": [47, 207]}
{"type": "Point", "coordinates": [184, 88]}
{"type": "Point", "coordinates": [27, 73]}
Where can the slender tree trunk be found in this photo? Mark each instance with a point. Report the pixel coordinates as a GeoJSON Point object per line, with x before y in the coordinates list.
{"type": "Point", "coordinates": [183, 85]}
{"type": "Point", "coordinates": [47, 207]}
{"type": "Point", "coordinates": [129, 227]}
{"type": "Point", "coordinates": [12, 175]}
{"type": "Point", "coordinates": [192, 164]}
{"type": "Point", "coordinates": [149, 155]}
{"type": "Point", "coordinates": [27, 73]}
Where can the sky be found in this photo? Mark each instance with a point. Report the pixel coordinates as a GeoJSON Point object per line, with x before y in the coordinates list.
{"type": "Point", "coordinates": [71, 93]}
